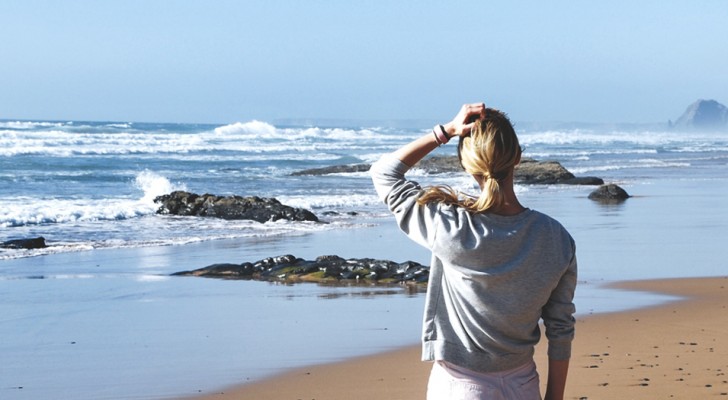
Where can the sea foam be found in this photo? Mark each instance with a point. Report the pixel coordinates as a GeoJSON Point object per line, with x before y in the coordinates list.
{"type": "Point", "coordinates": [30, 124]}
{"type": "Point", "coordinates": [154, 185]}
{"type": "Point", "coordinates": [255, 128]}
{"type": "Point", "coordinates": [67, 140]}
{"type": "Point", "coordinates": [40, 211]}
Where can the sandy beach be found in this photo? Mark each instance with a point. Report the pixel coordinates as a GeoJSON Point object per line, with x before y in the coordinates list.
{"type": "Point", "coordinates": [677, 350]}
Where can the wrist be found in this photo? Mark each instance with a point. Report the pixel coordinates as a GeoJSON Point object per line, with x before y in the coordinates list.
{"type": "Point", "coordinates": [449, 129]}
{"type": "Point", "coordinates": [441, 135]}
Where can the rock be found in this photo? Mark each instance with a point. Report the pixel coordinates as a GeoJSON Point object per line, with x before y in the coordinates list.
{"type": "Point", "coordinates": [29, 244]}
{"type": "Point", "coordinates": [529, 171]}
{"type": "Point", "coordinates": [335, 169]}
{"type": "Point", "coordinates": [328, 268]}
{"type": "Point", "coordinates": [230, 207]}
{"type": "Point", "coordinates": [610, 193]}
{"type": "Point", "coordinates": [583, 180]}
{"type": "Point", "coordinates": [336, 213]}
{"type": "Point", "coordinates": [542, 172]}
{"type": "Point", "coordinates": [440, 164]}
{"type": "Point", "coordinates": [704, 115]}
{"type": "Point", "coordinates": [533, 172]}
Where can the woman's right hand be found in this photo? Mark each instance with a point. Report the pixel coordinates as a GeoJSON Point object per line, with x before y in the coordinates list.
{"type": "Point", "coordinates": [464, 121]}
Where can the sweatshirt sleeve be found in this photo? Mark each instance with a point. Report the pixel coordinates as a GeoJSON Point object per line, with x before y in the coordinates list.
{"type": "Point", "coordinates": [400, 195]}
{"type": "Point", "coordinates": [558, 315]}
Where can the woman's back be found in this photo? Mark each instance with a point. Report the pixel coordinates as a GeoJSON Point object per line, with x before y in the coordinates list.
{"type": "Point", "coordinates": [497, 267]}
{"type": "Point", "coordinates": [492, 277]}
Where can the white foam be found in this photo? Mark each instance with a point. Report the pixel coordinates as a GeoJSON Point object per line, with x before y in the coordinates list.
{"type": "Point", "coordinates": [49, 211]}
{"type": "Point", "coordinates": [624, 140]}
{"type": "Point", "coordinates": [154, 185]}
{"type": "Point", "coordinates": [350, 201]}
{"type": "Point", "coordinates": [254, 128]}
{"type": "Point", "coordinates": [30, 124]}
{"type": "Point", "coordinates": [66, 139]}
{"type": "Point", "coordinates": [655, 163]}
{"type": "Point", "coordinates": [151, 278]}
{"type": "Point", "coordinates": [642, 163]}
{"type": "Point", "coordinates": [21, 211]}
{"type": "Point", "coordinates": [250, 137]}
{"type": "Point", "coordinates": [264, 130]}
{"type": "Point", "coordinates": [585, 154]}
{"type": "Point", "coordinates": [120, 126]}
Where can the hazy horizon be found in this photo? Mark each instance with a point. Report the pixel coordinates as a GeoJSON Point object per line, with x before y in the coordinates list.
{"type": "Point", "coordinates": [228, 61]}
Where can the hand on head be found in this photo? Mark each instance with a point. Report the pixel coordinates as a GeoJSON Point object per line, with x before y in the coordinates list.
{"type": "Point", "coordinates": [465, 119]}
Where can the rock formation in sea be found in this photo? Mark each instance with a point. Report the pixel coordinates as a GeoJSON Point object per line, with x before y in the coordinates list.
{"type": "Point", "coordinates": [610, 193]}
{"type": "Point", "coordinates": [30, 243]}
{"type": "Point", "coordinates": [529, 171]}
{"type": "Point", "coordinates": [254, 208]}
{"type": "Point", "coordinates": [334, 169]}
{"type": "Point", "coordinates": [704, 115]}
{"type": "Point", "coordinates": [288, 268]}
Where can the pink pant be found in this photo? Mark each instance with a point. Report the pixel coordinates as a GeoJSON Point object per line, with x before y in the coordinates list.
{"type": "Point", "coordinates": [450, 382]}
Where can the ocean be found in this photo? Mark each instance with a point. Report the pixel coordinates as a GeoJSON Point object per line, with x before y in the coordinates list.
{"type": "Point", "coordinates": [95, 315]}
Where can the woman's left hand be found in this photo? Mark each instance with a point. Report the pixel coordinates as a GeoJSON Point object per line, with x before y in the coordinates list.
{"type": "Point", "coordinates": [464, 121]}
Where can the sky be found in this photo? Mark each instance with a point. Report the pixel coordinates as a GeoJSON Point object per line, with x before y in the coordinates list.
{"type": "Point", "coordinates": [270, 60]}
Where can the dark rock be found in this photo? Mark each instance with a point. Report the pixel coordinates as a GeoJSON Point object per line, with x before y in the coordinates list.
{"type": "Point", "coordinates": [532, 172]}
{"type": "Point", "coordinates": [255, 208]}
{"type": "Point", "coordinates": [29, 244]}
{"type": "Point", "coordinates": [583, 180]}
{"type": "Point", "coordinates": [335, 169]}
{"type": "Point", "coordinates": [328, 268]}
{"type": "Point", "coordinates": [704, 115]}
{"type": "Point", "coordinates": [529, 171]}
{"type": "Point", "coordinates": [610, 193]}
{"type": "Point", "coordinates": [336, 213]}
{"type": "Point", "coordinates": [542, 172]}
{"type": "Point", "coordinates": [440, 164]}
{"type": "Point", "coordinates": [224, 270]}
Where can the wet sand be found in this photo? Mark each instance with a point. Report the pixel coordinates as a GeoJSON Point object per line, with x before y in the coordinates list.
{"type": "Point", "coordinates": [677, 350]}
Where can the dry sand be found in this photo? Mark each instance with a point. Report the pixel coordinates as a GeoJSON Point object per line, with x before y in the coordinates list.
{"type": "Point", "coordinates": [674, 351]}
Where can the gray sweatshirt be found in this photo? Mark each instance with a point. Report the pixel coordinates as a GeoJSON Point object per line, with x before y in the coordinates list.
{"type": "Point", "coordinates": [492, 278]}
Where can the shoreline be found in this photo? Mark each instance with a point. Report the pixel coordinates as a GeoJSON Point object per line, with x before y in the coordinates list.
{"type": "Point", "coordinates": [677, 349]}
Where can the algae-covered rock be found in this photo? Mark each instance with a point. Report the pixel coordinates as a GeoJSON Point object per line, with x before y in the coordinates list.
{"type": "Point", "coordinates": [323, 269]}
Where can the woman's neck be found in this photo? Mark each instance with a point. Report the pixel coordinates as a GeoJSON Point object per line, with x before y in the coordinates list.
{"type": "Point", "coordinates": [511, 206]}
{"type": "Point", "coordinates": [508, 209]}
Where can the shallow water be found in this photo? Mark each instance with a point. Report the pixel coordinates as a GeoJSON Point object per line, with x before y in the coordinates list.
{"type": "Point", "coordinates": [99, 317]}
{"type": "Point", "coordinates": [111, 324]}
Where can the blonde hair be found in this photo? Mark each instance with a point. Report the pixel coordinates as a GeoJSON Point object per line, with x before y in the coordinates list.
{"type": "Point", "coordinates": [491, 152]}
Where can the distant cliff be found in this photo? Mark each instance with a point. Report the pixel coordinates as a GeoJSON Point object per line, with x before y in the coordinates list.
{"type": "Point", "coordinates": [704, 115]}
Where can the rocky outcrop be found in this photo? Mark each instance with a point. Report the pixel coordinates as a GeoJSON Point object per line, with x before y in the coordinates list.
{"type": "Point", "coordinates": [610, 193]}
{"type": "Point", "coordinates": [529, 171]}
{"type": "Point", "coordinates": [29, 244]}
{"type": "Point", "coordinates": [334, 169]}
{"type": "Point", "coordinates": [704, 115]}
{"type": "Point", "coordinates": [230, 207]}
{"type": "Point", "coordinates": [440, 164]}
{"type": "Point", "coordinates": [289, 268]}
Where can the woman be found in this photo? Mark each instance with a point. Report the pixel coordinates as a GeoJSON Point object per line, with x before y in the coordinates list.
{"type": "Point", "coordinates": [497, 267]}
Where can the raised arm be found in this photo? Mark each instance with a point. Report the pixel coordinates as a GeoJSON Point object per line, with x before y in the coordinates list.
{"type": "Point", "coordinates": [416, 150]}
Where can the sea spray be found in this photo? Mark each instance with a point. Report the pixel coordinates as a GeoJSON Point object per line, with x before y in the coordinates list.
{"type": "Point", "coordinates": [252, 128]}
{"type": "Point", "coordinates": [24, 211]}
{"type": "Point", "coordinates": [154, 185]}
